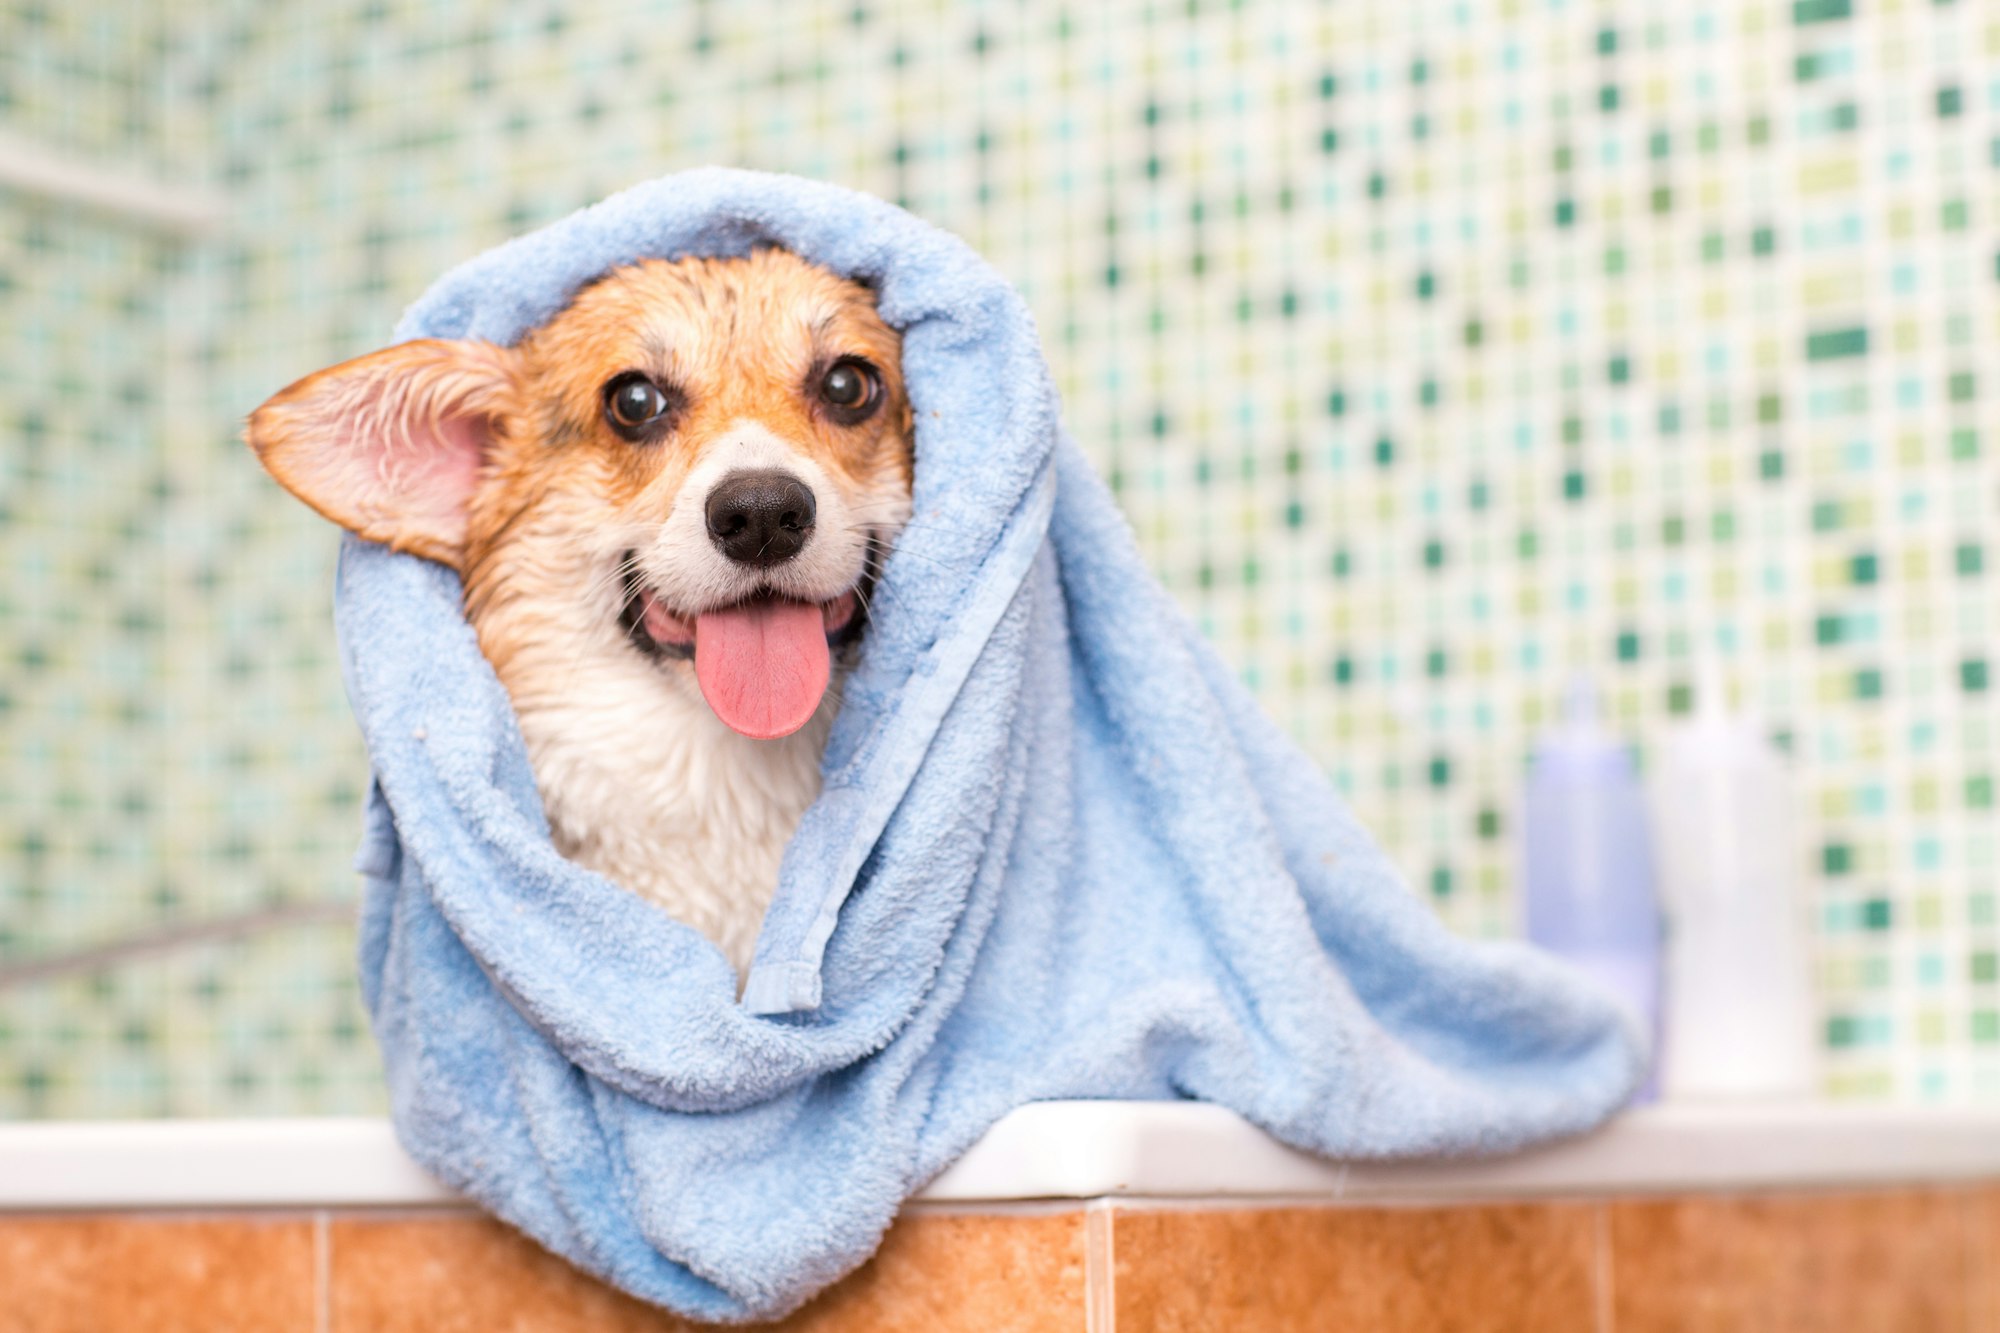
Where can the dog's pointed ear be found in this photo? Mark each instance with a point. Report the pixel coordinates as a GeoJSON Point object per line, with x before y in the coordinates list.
{"type": "Point", "coordinates": [390, 445]}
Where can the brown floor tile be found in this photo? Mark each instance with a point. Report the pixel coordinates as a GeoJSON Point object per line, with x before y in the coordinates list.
{"type": "Point", "coordinates": [935, 1274]}
{"type": "Point", "coordinates": [1982, 1259]}
{"type": "Point", "coordinates": [1372, 1270]}
{"type": "Point", "coordinates": [1886, 1262]}
{"type": "Point", "coordinates": [941, 1273]}
{"type": "Point", "coordinates": [112, 1274]}
{"type": "Point", "coordinates": [445, 1274]}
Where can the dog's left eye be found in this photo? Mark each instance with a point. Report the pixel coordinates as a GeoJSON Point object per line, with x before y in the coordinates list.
{"type": "Point", "coordinates": [851, 390]}
{"type": "Point", "coordinates": [632, 403]}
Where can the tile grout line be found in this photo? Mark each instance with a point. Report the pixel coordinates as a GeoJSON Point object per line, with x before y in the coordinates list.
{"type": "Point", "coordinates": [322, 1272]}
{"type": "Point", "coordinates": [1100, 1285]}
{"type": "Point", "coordinates": [1603, 1269]}
{"type": "Point", "coordinates": [1980, 1307]}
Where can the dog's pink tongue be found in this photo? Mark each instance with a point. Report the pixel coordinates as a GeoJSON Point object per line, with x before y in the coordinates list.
{"type": "Point", "coordinates": [762, 665]}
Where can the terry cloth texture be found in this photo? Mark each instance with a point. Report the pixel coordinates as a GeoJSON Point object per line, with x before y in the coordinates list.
{"type": "Point", "coordinates": [1060, 853]}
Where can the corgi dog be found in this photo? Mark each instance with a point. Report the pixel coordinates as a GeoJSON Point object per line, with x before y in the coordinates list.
{"type": "Point", "coordinates": [667, 505]}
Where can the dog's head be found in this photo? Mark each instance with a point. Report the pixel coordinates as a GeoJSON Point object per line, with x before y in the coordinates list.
{"type": "Point", "coordinates": [700, 461]}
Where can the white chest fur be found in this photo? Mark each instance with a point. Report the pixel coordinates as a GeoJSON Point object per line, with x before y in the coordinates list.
{"type": "Point", "coordinates": [644, 785]}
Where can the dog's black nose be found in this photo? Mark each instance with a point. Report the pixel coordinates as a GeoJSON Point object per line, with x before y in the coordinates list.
{"type": "Point", "coordinates": [760, 518]}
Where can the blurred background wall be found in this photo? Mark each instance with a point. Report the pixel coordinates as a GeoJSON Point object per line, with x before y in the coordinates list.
{"type": "Point", "coordinates": [1436, 349]}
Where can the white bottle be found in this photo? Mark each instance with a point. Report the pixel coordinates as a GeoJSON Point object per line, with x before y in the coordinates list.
{"type": "Point", "coordinates": [1738, 1013]}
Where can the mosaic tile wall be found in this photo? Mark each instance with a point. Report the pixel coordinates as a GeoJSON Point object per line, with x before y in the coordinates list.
{"type": "Point", "coordinates": [169, 749]}
{"type": "Point", "coordinates": [1437, 350]}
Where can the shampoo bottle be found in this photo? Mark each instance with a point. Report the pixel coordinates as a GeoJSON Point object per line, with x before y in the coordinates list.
{"type": "Point", "coordinates": [1739, 998]}
{"type": "Point", "coordinates": [1588, 863]}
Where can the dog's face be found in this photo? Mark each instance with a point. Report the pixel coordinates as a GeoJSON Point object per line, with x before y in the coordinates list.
{"type": "Point", "coordinates": [698, 462]}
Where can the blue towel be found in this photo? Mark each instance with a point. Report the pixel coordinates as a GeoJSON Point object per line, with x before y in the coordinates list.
{"type": "Point", "coordinates": [1060, 853]}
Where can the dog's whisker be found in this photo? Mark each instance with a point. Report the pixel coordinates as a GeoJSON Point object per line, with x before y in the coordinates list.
{"type": "Point", "coordinates": [607, 580]}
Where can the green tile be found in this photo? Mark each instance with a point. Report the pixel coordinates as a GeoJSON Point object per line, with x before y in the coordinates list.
{"type": "Point", "coordinates": [1836, 343]}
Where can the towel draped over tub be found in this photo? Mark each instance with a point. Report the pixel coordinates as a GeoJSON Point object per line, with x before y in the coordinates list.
{"type": "Point", "coordinates": [1059, 853]}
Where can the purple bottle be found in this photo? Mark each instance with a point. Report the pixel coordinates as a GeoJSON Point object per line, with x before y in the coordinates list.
{"type": "Point", "coordinates": [1587, 882]}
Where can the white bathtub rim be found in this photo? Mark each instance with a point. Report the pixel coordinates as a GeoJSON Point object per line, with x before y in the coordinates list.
{"type": "Point", "coordinates": [1164, 1151]}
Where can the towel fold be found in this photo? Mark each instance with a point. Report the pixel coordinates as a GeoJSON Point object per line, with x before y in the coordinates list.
{"type": "Point", "coordinates": [1059, 853]}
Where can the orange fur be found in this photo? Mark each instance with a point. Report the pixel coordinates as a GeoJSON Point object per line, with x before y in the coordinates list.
{"type": "Point", "coordinates": [640, 781]}
{"type": "Point", "coordinates": [739, 336]}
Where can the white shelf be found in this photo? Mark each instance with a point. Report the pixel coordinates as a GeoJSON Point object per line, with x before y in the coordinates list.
{"type": "Point", "coordinates": [129, 193]}
{"type": "Point", "coordinates": [1051, 1150]}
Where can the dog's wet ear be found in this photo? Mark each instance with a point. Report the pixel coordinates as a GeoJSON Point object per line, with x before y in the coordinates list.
{"type": "Point", "coordinates": [390, 445]}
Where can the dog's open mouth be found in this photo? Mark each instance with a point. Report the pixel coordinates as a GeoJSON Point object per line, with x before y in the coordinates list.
{"type": "Point", "coordinates": [763, 663]}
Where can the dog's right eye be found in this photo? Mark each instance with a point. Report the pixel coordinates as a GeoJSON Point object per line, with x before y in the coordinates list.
{"type": "Point", "coordinates": [633, 403]}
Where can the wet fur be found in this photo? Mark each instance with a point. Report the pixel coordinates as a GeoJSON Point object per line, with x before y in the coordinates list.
{"type": "Point", "coordinates": [640, 780]}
